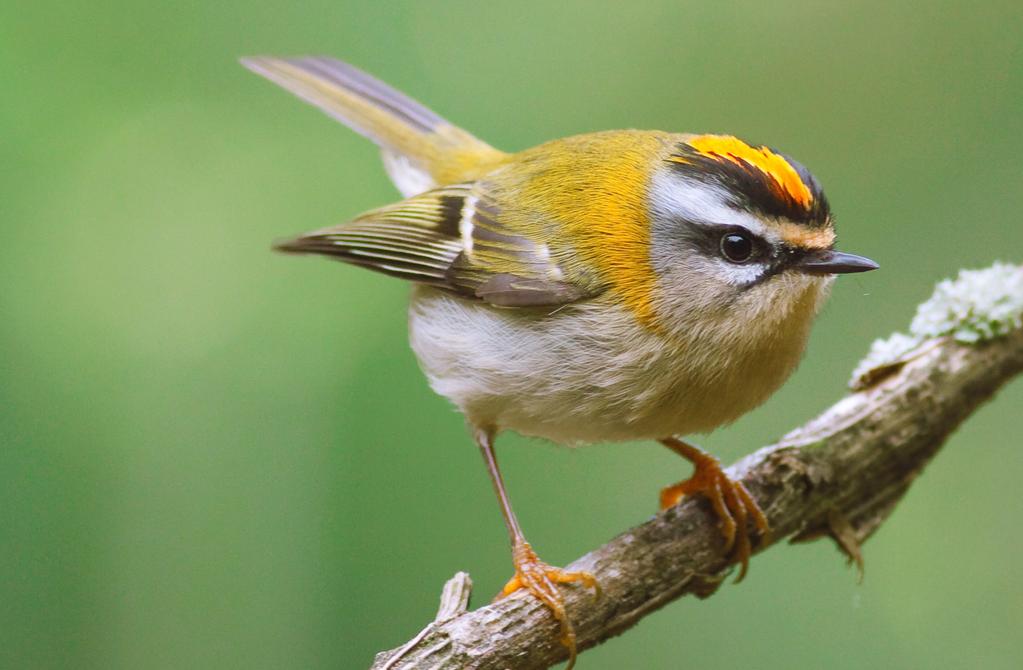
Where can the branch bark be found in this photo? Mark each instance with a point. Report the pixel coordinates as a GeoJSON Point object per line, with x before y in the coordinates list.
{"type": "Point", "coordinates": [839, 475]}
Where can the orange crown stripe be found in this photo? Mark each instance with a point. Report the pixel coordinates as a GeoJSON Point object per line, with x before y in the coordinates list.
{"type": "Point", "coordinates": [733, 149]}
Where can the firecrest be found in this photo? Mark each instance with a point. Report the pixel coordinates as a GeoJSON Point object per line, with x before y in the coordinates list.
{"type": "Point", "coordinates": [613, 286]}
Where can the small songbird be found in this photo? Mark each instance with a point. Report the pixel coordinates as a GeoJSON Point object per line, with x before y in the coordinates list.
{"type": "Point", "coordinates": [614, 286]}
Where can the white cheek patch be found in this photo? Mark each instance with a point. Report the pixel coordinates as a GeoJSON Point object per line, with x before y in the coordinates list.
{"type": "Point", "coordinates": [730, 273]}
{"type": "Point", "coordinates": [739, 275]}
{"type": "Point", "coordinates": [673, 197]}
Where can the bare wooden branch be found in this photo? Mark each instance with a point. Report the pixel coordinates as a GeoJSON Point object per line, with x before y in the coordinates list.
{"type": "Point", "coordinates": [839, 475]}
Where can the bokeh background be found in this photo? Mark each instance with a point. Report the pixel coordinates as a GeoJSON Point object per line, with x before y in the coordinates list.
{"type": "Point", "coordinates": [215, 457]}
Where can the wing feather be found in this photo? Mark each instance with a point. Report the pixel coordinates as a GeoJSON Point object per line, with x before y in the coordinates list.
{"type": "Point", "coordinates": [409, 239]}
{"type": "Point", "coordinates": [454, 238]}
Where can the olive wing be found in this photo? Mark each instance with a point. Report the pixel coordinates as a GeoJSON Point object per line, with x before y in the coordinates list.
{"type": "Point", "coordinates": [459, 238]}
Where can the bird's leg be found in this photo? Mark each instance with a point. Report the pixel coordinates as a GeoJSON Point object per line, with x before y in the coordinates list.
{"type": "Point", "coordinates": [531, 573]}
{"type": "Point", "coordinates": [732, 502]}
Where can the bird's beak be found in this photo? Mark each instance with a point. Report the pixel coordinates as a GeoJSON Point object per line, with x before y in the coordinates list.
{"type": "Point", "coordinates": [828, 262]}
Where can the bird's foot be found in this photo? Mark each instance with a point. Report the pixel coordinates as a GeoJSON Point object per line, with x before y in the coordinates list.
{"type": "Point", "coordinates": [733, 505]}
{"type": "Point", "coordinates": [541, 581]}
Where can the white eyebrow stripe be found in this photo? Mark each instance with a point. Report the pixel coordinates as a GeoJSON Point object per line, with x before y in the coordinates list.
{"type": "Point", "coordinates": [673, 197]}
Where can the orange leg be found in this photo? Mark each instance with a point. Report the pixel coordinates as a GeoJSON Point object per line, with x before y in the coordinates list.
{"type": "Point", "coordinates": [531, 573]}
{"type": "Point", "coordinates": [733, 504]}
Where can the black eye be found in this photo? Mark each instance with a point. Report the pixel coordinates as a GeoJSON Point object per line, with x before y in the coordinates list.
{"type": "Point", "coordinates": [736, 247]}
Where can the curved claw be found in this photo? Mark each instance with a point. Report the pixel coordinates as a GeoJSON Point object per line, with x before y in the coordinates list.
{"type": "Point", "coordinates": [732, 502]}
{"type": "Point", "coordinates": [540, 580]}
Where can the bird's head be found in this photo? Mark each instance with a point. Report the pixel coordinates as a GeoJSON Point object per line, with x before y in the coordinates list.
{"type": "Point", "coordinates": [740, 231]}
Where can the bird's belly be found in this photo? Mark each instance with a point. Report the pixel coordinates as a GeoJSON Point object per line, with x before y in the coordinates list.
{"type": "Point", "coordinates": [584, 373]}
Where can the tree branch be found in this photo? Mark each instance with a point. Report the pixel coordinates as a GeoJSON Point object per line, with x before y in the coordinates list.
{"type": "Point", "coordinates": [840, 475]}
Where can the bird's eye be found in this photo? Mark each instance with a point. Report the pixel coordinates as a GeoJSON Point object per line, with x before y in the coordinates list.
{"type": "Point", "coordinates": [736, 247]}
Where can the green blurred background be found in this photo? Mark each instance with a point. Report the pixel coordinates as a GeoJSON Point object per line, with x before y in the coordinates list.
{"type": "Point", "coordinates": [215, 457]}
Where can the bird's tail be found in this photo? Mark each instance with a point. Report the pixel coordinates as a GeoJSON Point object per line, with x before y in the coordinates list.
{"type": "Point", "coordinates": [420, 149]}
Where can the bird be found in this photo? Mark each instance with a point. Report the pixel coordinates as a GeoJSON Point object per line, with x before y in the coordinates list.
{"type": "Point", "coordinates": [605, 287]}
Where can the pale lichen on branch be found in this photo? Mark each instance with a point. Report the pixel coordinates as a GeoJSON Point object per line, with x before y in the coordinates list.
{"type": "Point", "coordinates": [976, 306]}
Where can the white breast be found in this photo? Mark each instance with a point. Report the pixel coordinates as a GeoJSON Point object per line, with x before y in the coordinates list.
{"type": "Point", "coordinates": [589, 372]}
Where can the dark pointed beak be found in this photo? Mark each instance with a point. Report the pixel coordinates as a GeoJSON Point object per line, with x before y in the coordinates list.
{"type": "Point", "coordinates": [827, 262]}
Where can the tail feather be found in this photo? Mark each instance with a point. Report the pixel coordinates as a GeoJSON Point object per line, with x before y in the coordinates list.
{"type": "Point", "coordinates": [373, 90]}
{"type": "Point", "coordinates": [421, 149]}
